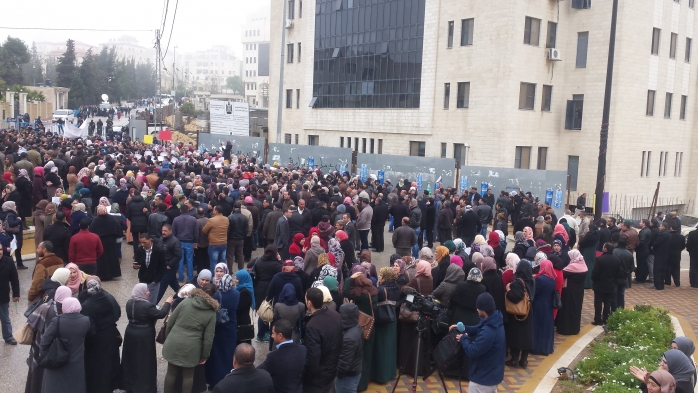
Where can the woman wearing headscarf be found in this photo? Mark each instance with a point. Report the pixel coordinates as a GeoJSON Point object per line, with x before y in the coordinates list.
{"type": "Point", "coordinates": [454, 276]}
{"type": "Point", "coordinates": [542, 307]}
{"type": "Point", "coordinates": [674, 362]}
{"type": "Point", "coordinates": [460, 250]}
{"type": "Point", "coordinates": [26, 195]}
{"type": "Point", "coordinates": [220, 271]}
{"type": "Point", "coordinates": [265, 268]}
{"type": "Point", "coordinates": [98, 191]}
{"type": "Point", "coordinates": [7, 178]}
{"type": "Point", "coordinates": [520, 333]}
{"type": "Point", "coordinates": [243, 284]}
{"type": "Point", "coordinates": [139, 365]}
{"type": "Point", "coordinates": [327, 300]}
{"type": "Point", "coordinates": [53, 181]}
{"type": "Point", "coordinates": [587, 246]}
{"type": "Point", "coordinates": [103, 342]}
{"type": "Point", "coordinates": [311, 256]}
{"type": "Point", "coordinates": [38, 220]}
{"type": "Point", "coordinates": [569, 318]}
{"type": "Point", "coordinates": [425, 254]}
{"type": "Point", "coordinates": [335, 249]}
{"type": "Point", "coordinates": [347, 247]}
{"type": "Point", "coordinates": [528, 235]}
{"type": "Point", "coordinates": [512, 260]}
{"type": "Point", "coordinates": [190, 331]}
{"type": "Point", "coordinates": [39, 321]}
{"type": "Point", "coordinates": [477, 243]}
{"type": "Point", "coordinates": [492, 280]}
{"type": "Point", "coordinates": [521, 246]}
{"type": "Point", "coordinates": [9, 214]}
{"type": "Point", "coordinates": [109, 229]}
{"type": "Point", "coordinates": [225, 336]}
{"type": "Point", "coordinates": [422, 283]}
{"type": "Point", "coordinates": [324, 269]}
{"type": "Point", "coordinates": [400, 268]}
{"type": "Point", "coordinates": [78, 214]}
{"type": "Point", "coordinates": [296, 247]}
{"type": "Point", "coordinates": [72, 180]}
{"type": "Point", "coordinates": [49, 213]}
{"type": "Point", "coordinates": [332, 285]}
{"type": "Point", "coordinates": [72, 327]}
{"type": "Point", "coordinates": [360, 290]}
{"type": "Point", "coordinates": [685, 345]}
{"type": "Point", "coordinates": [562, 235]}
{"type": "Point", "coordinates": [204, 277]}
{"type": "Point", "coordinates": [659, 381]}
{"type": "Point", "coordinates": [385, 343]}
{"type": "Point", "coordinates": [561, 251]}
{"type": "Point", "coordinates": [502, 240]}
{"type": "Point", "coordinates": [121, 219]}
{"type": "Point", "coordinates": [38, 186]}
{"type": "Point", "coordinates": [493, 241]}
{"type": "Point", "coordinates": [289, 308]}
{"type": "Point", "coordinates": [9, 165]}
{"type": "Point", "coordinates": [570, 232]}
{"type": "Point", "coordinates": [443, 261]}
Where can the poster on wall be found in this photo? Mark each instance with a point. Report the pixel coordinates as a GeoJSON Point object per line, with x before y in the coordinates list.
{"type": "Point", "coordinates": [230, 118]}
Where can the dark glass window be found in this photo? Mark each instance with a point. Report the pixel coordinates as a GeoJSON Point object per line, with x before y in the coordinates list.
{"type": "Point", "coordinates": [368, 54]}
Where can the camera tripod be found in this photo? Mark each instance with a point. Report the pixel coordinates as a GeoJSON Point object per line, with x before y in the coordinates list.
{"type": "Point", "coordinates": [423, 324]}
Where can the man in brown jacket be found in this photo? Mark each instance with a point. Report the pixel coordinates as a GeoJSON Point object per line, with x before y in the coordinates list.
{"type": "Point", "coordinates": [217, 231]}
{"type": "Point", "coordinates": [45, 266]}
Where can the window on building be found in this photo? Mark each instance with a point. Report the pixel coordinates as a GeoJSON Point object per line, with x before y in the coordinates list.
{"type": "Point", "coordinates": [300, 9]}
{"type": "Point", "coordinates": [356, 144]}
{"type": "Point", "coordinates": [450, 34]}
{"type": "Point", "coordinates": [349, 143]}
{"type": "Point", "coordinates": [573, 171]}
{"type": "Point", "coordinates": [289, 53]}
{"type": "Point", "coordinates": [417, 149]}
{"type": "Point", "coordinates": [444, 146]}
{"type": "Point", "coordinates": [298, 98]}
{"type": "Point", "coordinates": [466, 31]}
{"type": "Point", "coordinates": [575, 110]}
{"type": "Point", "coordinates": [581, 4]}
{"type": "Point", "coordinates": [527, 96]}
{"type": "Point", "coordinates": [687, 56]}
{"type": "Point", "coordinates": [682, 114]}
{"type": "Point", "coordinates": [656, 34]}
{"type": "Point", "coordinates": [646, 163]}
{"type": "Point", "coordinates": [672, 45]}
{"type": "Point", "coordinates": [287, 139]}
{"type": "Point", "coordinates": [459, 153]}
{"type": "Point", "coordinates": [296, 136]}
{"type": "Point", "coordinates": [542, 158]}
{"type": "Point", "coordinates": [547, 98]}
{"type": "Point", "coordinates": [679, 157]}
{"type": "Point", "coordinates": [341, 141]}
{"type": "Point", "coordinates": [551, 39]}
{"type": "Point", "coordinates": [380, 146]}
{"type": "Point", "coordinates": [691, 3]}
{"type": "Point", "coordinates": [289, 98]}
{"type": "Point", "coordinates": [373, 143]}
{"type": "Point", "coordinates": [463, 100]}
{"type": "Point", "coordinates": [663, 156]}
{"type": "Point", "coordinates": [582, 45]}
{"type": "Point", "coordinates": [313, 140]}
{"type": "Point", "coordinates": [667, 105]}
{"type": "Point", "coordinates": [291, 9]}
{"type": "Point", "coordinates": [650, 103]}
{"type": "Point", "coordinates": [363, 145]}
{"type": "Point", "coordinates": [447, 94]}
{"type": "Point", "coordinates": [531, 31]}
{"type": "Point", "coordinates": [299, 52]}
{"type": "Point", "coordinates": [522, 160]}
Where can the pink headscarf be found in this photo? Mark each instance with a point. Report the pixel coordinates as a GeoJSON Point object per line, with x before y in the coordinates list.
{"type": "Point", "coordinates": [528, 233]}
{"type": "Point", "coordinates": [560, 230]}
{"type": "Point", "coordinates": [577, 263]}
{"type": "Point", "coordinates": [456, 260]}
{"type": "Point", "coordinates": [423, 269]}
{"type": "Point", "coordinates": [39, 170]}
{"type": "Point", "coordinates": [547, 270]}
{"type": "Point", "coordinates": [74, 284]}
{"type": "Point", "coordinates": [61, 294]}
{"type": "Point", "coordinates": [71, 305]}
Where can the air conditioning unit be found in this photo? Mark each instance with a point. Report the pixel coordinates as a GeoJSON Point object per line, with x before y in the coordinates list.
{"type": "Point", "coordinates": [289, 23]}
{"type": "Point", "coordinates": [554, 54]}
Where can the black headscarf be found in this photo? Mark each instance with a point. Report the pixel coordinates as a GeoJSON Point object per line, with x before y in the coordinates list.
{"type": "Point", "coordinates": [525, 272]}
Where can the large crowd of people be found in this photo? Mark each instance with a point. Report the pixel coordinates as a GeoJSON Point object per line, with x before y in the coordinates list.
{"type": "Point", "coordinates": [194, 218]}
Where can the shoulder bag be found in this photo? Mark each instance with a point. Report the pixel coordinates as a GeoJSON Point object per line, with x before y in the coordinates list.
{"type": "Point", "coordinates": [222, 316]}
{"type": "Point", "coordinates": [266, 311]}
{"type": "Point", "coordinates": [557, 300]}
{"type": "Point", "coordinates": [405, 314]}
{"type": "Point", "coordinates": [37, 303]}
{"type": "Point", "coordinates": [366, 321]}
{"type": "Point", "coordinates": [521, 309]}
{"type": "Point", "coordinates": [385, 311]}
{"type": "Point", "coordinates": [25, 334]}
{"type": "Point", "coordinates": [57, 355]}
{"type": "Point", "coordinates": [8, 228]}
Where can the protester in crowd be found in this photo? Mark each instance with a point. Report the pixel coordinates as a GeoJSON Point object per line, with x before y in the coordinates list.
{"type": "Point", "coordinates": [323, 341]}
{"type": "Point", "coordinates": [677, 365]}
{"type": "Point", "coordinates": [264, 268]}
{"type": "Point", "coordinates": [569, 318]}
{"type": "Point", "coordinates": [421, 283]}
{"type": "Point", "coordinates": [543, 312]}
{"type": "Point", "coordinates": [47, 263]}
{"type": "Point", "coordinates": [627, 266]}
{"type": "Point", "coordinates": [587, 246]}
{"type": "Point", "coordinates": [85, 248]}
{"type": "Point", "coordinates": [109, 229]}
{"type": "Point", "coordinates": [519, 333]}
{"type": "Point", "coordinates": [225, 337]}
{"type": "Point", "coordinates": [173, 254]}
{"type": "Point", "coordinates": [243, 284]}
{"type": "Point", "coordinates": [285, 363]}
{"type": "Point", "coordinates": [360, 291]}
{"type": "Point", "coordinates": [288, 308]}
{"type": "Point", "coordinates": [9, 214]}
{"type": "Point", "coordinates": [607, 272]}
{"type": "Point", "coordinates": [454, 276]}
{"type": "Point", "coordinates": [351, 358]}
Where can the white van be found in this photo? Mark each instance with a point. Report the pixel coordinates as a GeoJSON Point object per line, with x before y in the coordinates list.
{"type": "Point", "coordinates": [65, 114]}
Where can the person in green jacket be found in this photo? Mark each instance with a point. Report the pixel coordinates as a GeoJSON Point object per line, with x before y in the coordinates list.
{"type": "Point", "coordinates": [186, 346]}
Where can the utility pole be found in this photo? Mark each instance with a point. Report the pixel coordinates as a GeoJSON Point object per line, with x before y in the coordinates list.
{"type": "Point", "coordinates": [281, 74]}
{"type": "Point", "coordinates": [158, 65]}
{"type": "Point", "coordinates": [174, 59]}
{"type": "Point", "coordinates": [603, 144]}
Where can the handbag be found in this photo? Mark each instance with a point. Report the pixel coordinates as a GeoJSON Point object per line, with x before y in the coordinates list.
{"type": "Point", "coordinates": [521, 309]}
{"type": "Point", "coordinates": [405, 314]}
{"type": "Point", "coordinates": [385, 311]}
{"type": "Point", "coordinates": [8, 228]}
{"type": "Point", "coordinates": [557, 300]}
{"type": "Point", "coordinates": [222, 316]}
{"type": "Point", "coordinates": [24, 335]}
{"type": "Point", "coordinates": [36, 304]}
{"type": "Point", "coordinates": [245, 332]}
{"type": "Point", "coordinates": [162, 333]}
{"type": "Point", "coordinates": [366, 321]}
{"type": "Point", "coordinates": [57, 355]}
{"type": "Point", "coordinates": [266, 311]}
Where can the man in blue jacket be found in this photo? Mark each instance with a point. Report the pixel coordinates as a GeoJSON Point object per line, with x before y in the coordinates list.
{"type": "Point", "coordinates": [485, 344]}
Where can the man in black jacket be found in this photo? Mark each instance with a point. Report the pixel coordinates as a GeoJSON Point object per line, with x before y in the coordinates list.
{"type": "Point", "coordinates": [398, 211]}
{"type": "Point", "coordinates": [349, 367]}
{"type": "Point", "coordinates": [673, 266]}
{"type": "Point", "coordinates": [627, 266]}
{"type": "Point", "coordinates": [150, 262]}
{"type": "Point", "coordinates": [245, 378]}
{"type": "Point", "coordinates": [172, 252]}
{"type": "Point", "coordinates": [661, 250]}
{"type": "Point", "coordinates": [58, 233]}
{"type": "Point", "coordinates": [237, 232]}
{"type": "Point", "coordinates": [9, 279]}
{"type": "Point", "coordinates": [605, 275]}
{"type": "Point", "coordinates": [469, 225]}
{"type": "Point", "coordinates": [285, 364]}
{"type": "Point", "coordinates": [323, 339]}
{"type": "Point", "coordinates": [692, 248]}
{"type": "Point", "coordinates": [380, 216]}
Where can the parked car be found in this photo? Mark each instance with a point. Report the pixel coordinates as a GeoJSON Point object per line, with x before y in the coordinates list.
{"type": "Point", "coordinates": [65, 114]}
{"type": "Point", "coordinates": [688, 224]}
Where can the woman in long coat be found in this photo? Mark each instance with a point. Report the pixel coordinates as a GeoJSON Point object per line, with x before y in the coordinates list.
{"type": "Point", "coordinates": [289, 308]}
{"type": "Point", "coordinates": [243, 284]}
{"type": "Point", "coordinates": [38, 186]}
{"type": "Point", "coordinates": [109, 229]}
{"type": "Point", "coordinates": [225, 338]}
{"type": "Point", "coordinates": [587, 246]}
{"type": "Point", "coordinates": [360, 290]}
{"type": "Point", "coordinates": [102, 345]}
{"type": "Point", "coordinates": [39, 215]}
{"type": "Point", "coordinates": [569, 318]}
{"type": "Point", "coordinates": [385, 343]}
{"type": "Point", "coordinates": [9, 214]}
{"type": "Point", "coordinates": [139, 364]}
{"type": "Point", "coordinates": [265, 268]}
{"type": "Point", "coordinates": [492, 280]}
{"type": "Point", "coordinates": [520, 333]}
{"type": "Point", "coordinates": [543, 321]}
{"type": "Point", "coordinates": [407, 356]}
{"type": "Point", "coordinates": [72, 327]}
{"type": "Point", "coordinates": [24, 188]}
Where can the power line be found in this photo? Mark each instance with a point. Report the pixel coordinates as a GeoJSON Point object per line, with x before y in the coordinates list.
{"type": "Point", "coordinates": [171, 29]}
{"type": "Point", "coordinates": [164, 19]}
{"type": "Point", "coordinates": [66, 29]}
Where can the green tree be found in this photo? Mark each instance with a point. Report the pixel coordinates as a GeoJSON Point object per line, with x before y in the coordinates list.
{"type": "Point", "coordinates": [187, 109]}
{"type": "Point", "coordinates": [13, 54]}
{"type": "Point", "coordinates": [65, 69]}
{"type": "Point", "coordinates": [51, 69]}
{"type": "Point", "coordinates": [33, 70]}
{"type": "Point", "coordinates": [234, 83]}
{"type": "Point", "coordinates": [146, 80]}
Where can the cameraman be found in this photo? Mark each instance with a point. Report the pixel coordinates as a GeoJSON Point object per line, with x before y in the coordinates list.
{"type": "Point", "coordinates": [487, 349]}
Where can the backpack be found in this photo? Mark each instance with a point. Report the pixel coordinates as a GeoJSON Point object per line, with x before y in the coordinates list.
{"type": "Point", "coordinates": [449, 353]}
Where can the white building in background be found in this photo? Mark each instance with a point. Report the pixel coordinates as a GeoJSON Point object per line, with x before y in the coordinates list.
{"type": "Point", "coordinates": [255, 59]}
{"type": "Point", "coordinates": [54, 50]}
{"type": "Point", "coordinates": [502, 83]}
{"type": "Point", "coordinates": [127, 48]}
{"type": "Point", "coordinates": [207, 70]}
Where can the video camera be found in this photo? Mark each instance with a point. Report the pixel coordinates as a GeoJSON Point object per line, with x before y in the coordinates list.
{"type": "Point", "coordinates": [428, 308]}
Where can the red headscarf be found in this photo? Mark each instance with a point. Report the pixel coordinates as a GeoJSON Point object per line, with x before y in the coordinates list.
{"type": "Point", "coordinates": [493, 239]}
{"type": "Point", "coordinates": [7, 176]}
{"type": "Point", "coordinates": [560, 230]}
{"type": "Point", "coordinates": [295, 248]}
{"type": "Point", "coordinates": [547, 270]}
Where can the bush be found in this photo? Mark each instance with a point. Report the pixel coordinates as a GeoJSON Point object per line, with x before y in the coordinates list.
{"type": "Point", "coordinates": [636, 338]}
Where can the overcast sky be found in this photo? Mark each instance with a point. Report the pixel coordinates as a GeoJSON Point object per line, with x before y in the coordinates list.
{"type": "Point", "coordinates": [198, 25]}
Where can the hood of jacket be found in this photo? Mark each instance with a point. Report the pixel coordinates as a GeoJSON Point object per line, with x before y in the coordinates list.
{"type": "Point", "coordinates": [137, 198]}
{"type": "Point", "coordinates": [350, 315]}
{"type": "Point", "coordinates": [495, 320]}
{"type": "Point", "coordinates": [203, 301]}
{"type": "Point", "coordinates": [50, 260]}
{"type": "Point", "coordinates": [454, 274]}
